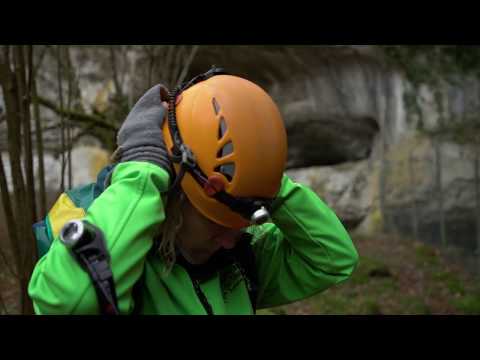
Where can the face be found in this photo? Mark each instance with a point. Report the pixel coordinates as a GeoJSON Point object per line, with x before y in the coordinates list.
{"type": "Point", "coordinates": [199, 238]}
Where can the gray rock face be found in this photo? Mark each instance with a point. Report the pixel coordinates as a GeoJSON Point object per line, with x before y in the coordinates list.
{"type": "Point", "coordinates": [328, 96]}
{"type": "Point", "coordinates": [344, 188]}
{"type": "Point", "coordinates": [414, 191]}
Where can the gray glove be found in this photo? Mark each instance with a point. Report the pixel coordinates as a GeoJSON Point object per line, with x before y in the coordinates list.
{"type": "Point", "coordinates": [140, 138]}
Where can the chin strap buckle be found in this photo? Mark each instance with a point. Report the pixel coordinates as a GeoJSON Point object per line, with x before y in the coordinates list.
{"type": "Point", "coordinates": [260, 216]}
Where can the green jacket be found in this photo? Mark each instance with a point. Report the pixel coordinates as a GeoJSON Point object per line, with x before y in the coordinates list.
{"type": "Point", "coordinates": [303, 252]}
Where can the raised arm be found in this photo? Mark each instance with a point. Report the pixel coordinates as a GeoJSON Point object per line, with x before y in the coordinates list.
{"type": "Point", "coordinates": [305, 251]}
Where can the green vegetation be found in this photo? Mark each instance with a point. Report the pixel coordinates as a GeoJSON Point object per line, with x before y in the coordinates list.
{"type": "Point", "coordinates": [427, 64]}
{"type": "Point", "coordinates": [395, 276]}
{"type": "Point", "coordinates": [435, 66]}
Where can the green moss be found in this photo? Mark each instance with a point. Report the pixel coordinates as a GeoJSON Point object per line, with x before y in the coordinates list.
{"type": "Point", "coordinates": [372, 307]}
{"type": "Point", "coordinates": [426, 255]}
{"type": "Point", "coordinates": [279, 310]}
{"type": "Point", "coordinates": [266, 312]}
{"type": "Point", "coordinates": [332, 304]}
{"type": "Point", "coordinates": [451, 281]}
{"type": "Point", "coordinates": [433, 66]}
{"type": "Point", "coordinates": [366, 267]}
{"type": "Point", "coordinates": [414, 306]}
{"type": "Point", "coordinates": [376, 221]}
{"type": "Point", "coordinates": [425, 64]}
{"type": "Point", "coordinates": [469, 304]}
{"type": "Point", "coordinates": [466, 131]}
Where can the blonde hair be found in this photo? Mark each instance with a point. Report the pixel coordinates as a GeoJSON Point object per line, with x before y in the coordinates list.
{"type": "Point", "coordinates": [170, 228]}
{"type": "Point", "coordinates": [173, 223]}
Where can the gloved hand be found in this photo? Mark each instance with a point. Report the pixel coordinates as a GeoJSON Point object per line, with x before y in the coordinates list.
{"type": "Point", "coordinates": [140, 138]}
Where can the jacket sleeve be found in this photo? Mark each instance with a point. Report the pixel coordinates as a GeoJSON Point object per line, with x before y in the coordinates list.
{"type": "Point", "coordinates": [305, 251]}
{"type": "Point", "coordinates": [128, 212]}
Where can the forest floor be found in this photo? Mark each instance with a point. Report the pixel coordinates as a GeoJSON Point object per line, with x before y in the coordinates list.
{"type": "Point", "coordinates": [396, 276]}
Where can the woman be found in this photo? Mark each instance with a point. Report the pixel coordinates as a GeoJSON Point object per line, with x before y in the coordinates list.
{"type": "Point", "coordinates": [184, 213]}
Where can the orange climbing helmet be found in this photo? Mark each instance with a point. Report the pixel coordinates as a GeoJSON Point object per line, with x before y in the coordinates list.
{"type": "Point", "coordinates": [229, 147]}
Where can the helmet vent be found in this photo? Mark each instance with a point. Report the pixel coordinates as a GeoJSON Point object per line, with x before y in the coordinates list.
{"type": "Point", "coordinates": [228, 170]}
{"type": "Point", "coordinates": [227, 149]}
{"type": "Point", "coordinates": [216, 107]}
{"type": "Point", "coordinates": [222, 129]}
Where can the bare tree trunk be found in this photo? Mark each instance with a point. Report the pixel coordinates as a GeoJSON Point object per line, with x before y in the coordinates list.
{"type": "Point", "coordinates": [7, 78]}
{"type": "Point", "coordinates": [29, 213]}
{"type": "Point", "coordinates": [40, 156]}
{"type": "Point", "coordinates": [39, 134]}
{"type": "Point", "coordinates": [477, 200]}
{"type": "Point", "coordinates": [69, 106]}
{"type": "Point", "coordinates": [16, 101]}
{"type": "Point", "coordinates": [9, 217]}
{"type": "Point", "coordinates": [413, 192]}
{"type": "Point", "coordinates": [31, 199]}
{"type": "Point", "coordinates": [62, 121]}
{"type": "Point", "coordinates": [384, 165]}
{"type": "Point", "coordinates": [438, 180]}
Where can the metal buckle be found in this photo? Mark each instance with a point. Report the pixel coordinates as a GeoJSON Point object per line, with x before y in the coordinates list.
{"type": "Point", "coordinates": [188, 157]}
{"type": "Point", "coordinates": [260, 216]}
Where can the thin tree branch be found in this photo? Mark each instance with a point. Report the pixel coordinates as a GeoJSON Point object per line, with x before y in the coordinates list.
{"type": "Point", "coordinates": [69, 105]}
{"type": "Point", "coordinates": [31, 200]}
{"type": "Point", "coordinates": [177, 66]}
{"type": "Point", "coordinates": [187, 65]}
{"type": "Point", "coordinates": [36, 68]}
{"type": "Point", "coordinates": [62, 123]}
{"type": "Point", "coordinates": [7, 264]}
{"type": "Point", "coordinates": [77, 116]}
{"type": "Point", "coordinates": [165, 75]}
{"type": "Point", "coordinates": [38, 133]}
{"type": "Point", "coordinates": [113, 62]}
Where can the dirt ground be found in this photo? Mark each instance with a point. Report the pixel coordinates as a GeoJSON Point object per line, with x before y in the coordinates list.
{"type": "Point", "coordinates": [397, 276]}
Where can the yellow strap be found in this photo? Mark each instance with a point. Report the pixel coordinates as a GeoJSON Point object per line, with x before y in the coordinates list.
{"type": "Point", "coordinates": [63, 211]}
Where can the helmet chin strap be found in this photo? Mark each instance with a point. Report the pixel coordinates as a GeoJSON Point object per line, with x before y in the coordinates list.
{"type": "Point", "coordinates": [254, 210]}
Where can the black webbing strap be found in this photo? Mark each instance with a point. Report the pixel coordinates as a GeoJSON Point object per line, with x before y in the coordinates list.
{"type": "Point", "coordinates": [92, 255]}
